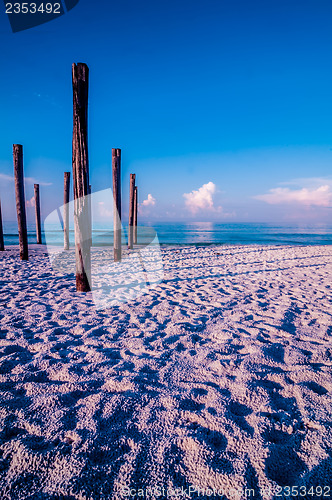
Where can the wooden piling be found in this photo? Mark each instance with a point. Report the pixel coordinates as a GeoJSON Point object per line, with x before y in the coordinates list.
{"type": "Point", "coordinates": [20, 201]}
{"type": "Point", "coordinates": [2, 245]}
{"type": "Point", "coordinates": [37, 213]}
{"type": "Point", "coordinates": [131, 211]}
{"type": "Point", "coordinates": [80, 78]}
{"type": "Point", "coordinates": [135, 216]}
{"type": "Point", "coordinates": [66, 187]}
{"type": "Point", "coordinates": [116, 170]}
{"type": "Point", "coordinates": [90, 215]}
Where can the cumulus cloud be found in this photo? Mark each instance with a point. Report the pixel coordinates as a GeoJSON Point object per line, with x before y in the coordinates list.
{"type": "Point", "coordinates": [31, 202]}
{"type": "Point", "coordinates": [150, 201]}
{"type": "Point", "coordinates": [202, 198]}
{"type": "Point", "coordinates": [320, 196]}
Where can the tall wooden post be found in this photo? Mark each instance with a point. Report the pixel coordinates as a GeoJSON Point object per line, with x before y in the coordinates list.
{"type": "Point", "coordinates": [116, 170]}
{"type": "Point", "coordinates": [37, 212]}
{"type": "Point", "coordinates": [66, 186]}
{"type": "Point", "coordinates": [20, 201]}
{"type": "Point", "coordinates": [90, 214]}
{"type": "Point", "coordinates": [131, 211]}
{"type": "Point", "coordinates": [2, 246]}
{"type": "Point", "coordinates": [135, 215]}
{"type": "Point", "coordinates": [80, 75]}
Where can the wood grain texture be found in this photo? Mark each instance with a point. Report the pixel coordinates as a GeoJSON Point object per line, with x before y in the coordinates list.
{"type": "Point", "coordinates": [90, 214]}
{"type": "Point", "coordinates": [2, 245]}
{"type": "Point", "coordinates": [116, 171]}
{"type": "Point", "coordinates": [37, 214]}
{"type": "Point", "coordinates": [20, 201]}
{"type": "Point", "coordinates": [80, 162]}
{"type": "Point", "coordinates": [66, 187]}
{"type": "Point", "coordinates": [131, 211]}
{"type": "Point", "coordinates": [135, 215]}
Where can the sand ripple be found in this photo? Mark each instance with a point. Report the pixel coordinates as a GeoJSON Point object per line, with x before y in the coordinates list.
{"type": "Point", "coordinates": [219, 377]}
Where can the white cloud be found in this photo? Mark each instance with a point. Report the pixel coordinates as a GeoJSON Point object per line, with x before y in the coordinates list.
{"type": "Point", "coordinates": [150, 201]}
{"type": "Point", "coordinates": [308, 182]}
{"type": "Point", "coordinates": [31, 180]}
{"type": "Point", "coordinates": [31, 202]}
{"type": "Point", "coordinates": [320, 196]}
{"type": "Point", "coordinates": [103, 211]}
{"type": "Point", "coordinates": [7, 178]}
{"type": "Point", "coordinates": [28, 180]}
{"type": "Point", "coordinates": [202, 199]}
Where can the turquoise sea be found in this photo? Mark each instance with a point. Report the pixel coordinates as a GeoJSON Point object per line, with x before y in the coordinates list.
{"type": "Point", "coordinates": [195, 233]}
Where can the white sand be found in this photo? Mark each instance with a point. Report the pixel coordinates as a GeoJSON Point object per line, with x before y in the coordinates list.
{"type": "Point", "coordinates": [220, 377]}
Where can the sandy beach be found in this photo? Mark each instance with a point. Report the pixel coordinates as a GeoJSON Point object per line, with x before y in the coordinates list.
{"type": "Point", "coordinates": [216, 380]}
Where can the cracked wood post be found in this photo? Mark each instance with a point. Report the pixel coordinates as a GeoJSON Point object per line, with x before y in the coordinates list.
{"type": "Point", "coordinates": [20, 201]}
{"type": "Point", "coordinates": [135, 215]}
{"type": "Point", "coordinates": [131, 211]}
{"type": "Point", "coordinates": [66, 210]}
{"type": "Point", "coordinates": [80, 76]}
{"type": "Point", "coordinates": [116, 170]}
{"type": "Point", "coordinates": [2, 246]}
{"type": "Point", "coordinates": [37, 213]}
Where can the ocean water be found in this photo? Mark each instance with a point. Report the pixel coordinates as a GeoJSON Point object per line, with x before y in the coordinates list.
{"type": "Point", "coordinates": [194, 233]}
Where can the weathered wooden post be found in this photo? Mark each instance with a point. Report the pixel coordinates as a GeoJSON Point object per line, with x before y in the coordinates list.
{"type": "Point", "coordinates": [116, 170]}
{"type": "Point", "coordinates": [135, 216]}
{"type": "Point", "coordinates": [66, 210]}
{"type": "Point", "coordinates": [20, 201]}
{"type": "Point", "coordinates": [37, 212]}
{"type": "Point", "coordinates": [131, 211]}
{"type": "Point", "coordinates": [80, 76]}
{"type": "Point", "coordinates": [90, 214]}
{"type": "Point", "coordinates": [2, 246]}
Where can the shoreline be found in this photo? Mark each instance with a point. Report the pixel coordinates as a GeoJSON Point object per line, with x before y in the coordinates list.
{"type": "Point", "coordinates": [200, 234]}
{"type": "Point", "coordinates": [35, 246]}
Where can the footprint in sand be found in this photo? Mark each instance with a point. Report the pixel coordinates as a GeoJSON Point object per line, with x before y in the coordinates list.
{"type": "Point", "coordinates": [283, 465]}
{"type": "Point", "coordinates": [318, 389]}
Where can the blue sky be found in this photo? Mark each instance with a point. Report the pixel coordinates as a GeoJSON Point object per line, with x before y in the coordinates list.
{"type": "Point", "coordinates": [222, 109]}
